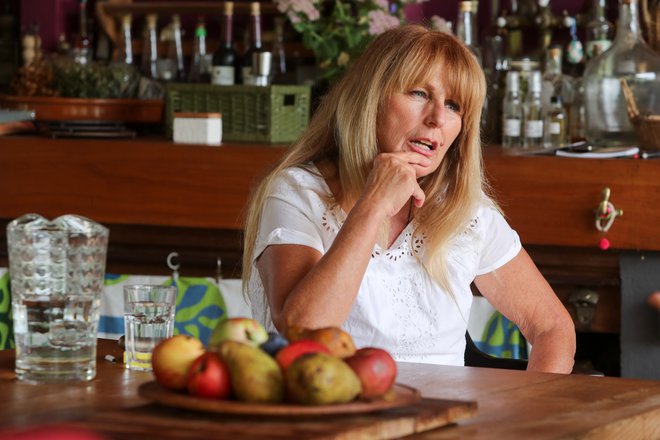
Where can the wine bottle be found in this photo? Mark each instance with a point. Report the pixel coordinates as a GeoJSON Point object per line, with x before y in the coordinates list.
{"type": "Point", "coordinates": [200, 71]}
{"type": "Point", "coordinates": [254, 43]}
{"type": "Point", "coordinates": [466, 26]}
{"type": "Point", "coordinates": [223, 71]}
{"type": "Point", "coordinates": [150, 48]}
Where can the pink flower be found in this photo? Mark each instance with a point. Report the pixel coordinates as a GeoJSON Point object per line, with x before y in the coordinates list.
{"type": "Point", "coordinates": [296, 10]}
{"type": "Point", "coordinates": [380, 21]}
{"type": "Point", "coordinates": [383, 4]}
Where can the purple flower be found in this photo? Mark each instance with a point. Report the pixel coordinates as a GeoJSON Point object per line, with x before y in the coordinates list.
{"type": "Point", "coordinates": [380, 21]}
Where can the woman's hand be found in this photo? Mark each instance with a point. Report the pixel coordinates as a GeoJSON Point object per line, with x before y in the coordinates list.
{"type": "Point", "coordinates": [392, 182]}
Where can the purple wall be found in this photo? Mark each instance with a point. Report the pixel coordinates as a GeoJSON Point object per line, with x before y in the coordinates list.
{"type": "Point", "coordinates": [57, 16]}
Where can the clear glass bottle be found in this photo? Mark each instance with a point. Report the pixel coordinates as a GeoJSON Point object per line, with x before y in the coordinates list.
{"type": "Point", "coordinates": [533, 112]}
{"type": "Point", "coordinates": [175, 50]}
{"type": "Point", "coordinates": [148, 66]}
{"type": "Point", "coordinates": [466, 26]}
{"type": "Point", "coordinates": [223, 70]}
{"type": "Point", "coordinates": [200, 71]}
{"type": "Point", "coordinates": [254, 43]}
{"type": "Point", "coordinates": [512, 111]}
{"type": "Point", "coordinates": [554, 82]}
{"type": "Point", "coordinates": [122, 68]}
{"type": "Point", "coordinates": [630, 58]}
{"type": "Point", "coordinates": [555, 124]}
{"type": "Point", "coordinates": [82, 47]}
{"type": "Point", "coordinates": [599, 30]}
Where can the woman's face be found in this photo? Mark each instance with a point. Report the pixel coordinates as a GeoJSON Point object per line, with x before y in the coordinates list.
{"type": "Point", "coordinates": [423, 119]}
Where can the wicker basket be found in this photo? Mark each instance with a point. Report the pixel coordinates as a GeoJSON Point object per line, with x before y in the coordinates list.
{"type": "Point", "coordinates": [647, 127]}
{"type": "Point", "coordinates": [272, 114]}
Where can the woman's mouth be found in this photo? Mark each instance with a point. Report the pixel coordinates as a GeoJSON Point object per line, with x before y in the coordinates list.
{"type": "Point", "coordinates": [423, 146]}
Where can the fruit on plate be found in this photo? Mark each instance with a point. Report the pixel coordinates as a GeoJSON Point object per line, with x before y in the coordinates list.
{"type": "Point", "coordinates": [171, 359]}
{"type": "Point", "coordinates": [294, 350]}
{"type": "Point", "coordinates": [321, 379]}
{"type": "Point", "coordinates": [376, 370]}
{"type": "Point", "coordinates": [239, 329]}
{"type": "Point", "coordinates": [337, 340]}
{"type": "Point", "coordinates": [254, 375]}
{"type": "Point", "coordinates": [209, 377]}
{"type": "Point", "coordinates": [274, 343]}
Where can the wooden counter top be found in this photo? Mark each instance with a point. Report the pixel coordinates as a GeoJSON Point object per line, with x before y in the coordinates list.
{"type": "Point", "coordinates": [510, 405]}
{"type": "Point", "coordinates": [548, 200]}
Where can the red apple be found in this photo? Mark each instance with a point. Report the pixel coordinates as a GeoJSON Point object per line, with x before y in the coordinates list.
{"type": "Point", "coordinates": [172, 358]}
{"type": "Point", "coordinates": [376, 369]}
{"type": "Point", "coordinates": [294, 350]}
{"type": "Point", "coordinates": [209, 377]}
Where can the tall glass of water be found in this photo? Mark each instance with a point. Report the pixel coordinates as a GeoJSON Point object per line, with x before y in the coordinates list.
{"type": "Point", "coordinates": [148, 319]}
{"type": "Point", "coordinates": [56, 269]}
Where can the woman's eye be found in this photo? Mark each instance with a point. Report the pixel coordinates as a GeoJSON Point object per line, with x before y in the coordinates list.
{"type": "Point", "coordinates": [420, 93]}
{"type": "Point", "coordinates": [453, 106]}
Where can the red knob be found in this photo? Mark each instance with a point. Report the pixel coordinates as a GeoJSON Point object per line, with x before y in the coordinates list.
{"type": "Point", "coordinates": [604, 244]}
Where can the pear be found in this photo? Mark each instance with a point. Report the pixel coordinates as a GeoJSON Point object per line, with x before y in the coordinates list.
{"type": "Point", "coordinates": [321, 379]}
{"type": "Point", "coordinates": [337, 340]}
{"type": "Point", "coordinates": [254, 375]}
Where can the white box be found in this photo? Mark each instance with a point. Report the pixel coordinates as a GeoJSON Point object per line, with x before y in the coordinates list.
{"type": "Point", "coordinates": [197, 128]}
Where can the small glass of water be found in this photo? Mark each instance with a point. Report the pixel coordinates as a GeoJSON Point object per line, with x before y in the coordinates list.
{"type": "Point", "coordinates": [148, 319]}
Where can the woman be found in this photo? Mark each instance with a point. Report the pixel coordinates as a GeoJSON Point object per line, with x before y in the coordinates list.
{"type": "Point", "coordinates": [377, 219]}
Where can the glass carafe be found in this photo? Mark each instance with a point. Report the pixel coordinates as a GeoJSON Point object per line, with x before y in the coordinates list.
{"type": "Point", "coordinates": [629, 57]}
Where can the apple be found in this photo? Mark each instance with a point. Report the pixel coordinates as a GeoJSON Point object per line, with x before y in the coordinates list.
{"type": "Point", "coordinates": [208, 377]}
{"type": "Point", "coordinates": [376, 369]}
{"type": "Point", "coordinates": [171, 359]}
{"type": "Point", "coordinates": [294, 350]}
{"type": "Point", "coordinates": [239, 329]}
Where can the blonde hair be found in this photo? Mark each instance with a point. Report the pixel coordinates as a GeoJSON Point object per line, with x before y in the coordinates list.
{"type": "Point", "coordinates": [343, 130]}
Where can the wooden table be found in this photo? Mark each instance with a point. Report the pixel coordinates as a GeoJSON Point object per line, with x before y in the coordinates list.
{"type": "Point", "coordinates": [511, 404]}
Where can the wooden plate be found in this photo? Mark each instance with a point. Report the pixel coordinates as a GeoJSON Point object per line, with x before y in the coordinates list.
{"type": "Point", "coordinates": [400, 395]}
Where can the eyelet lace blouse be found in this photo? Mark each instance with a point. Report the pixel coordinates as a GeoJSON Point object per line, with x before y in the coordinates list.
{"type": "Point", "coordinates": [398, 307]}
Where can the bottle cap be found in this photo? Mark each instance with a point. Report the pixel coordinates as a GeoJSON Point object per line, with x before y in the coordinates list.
{"type": "Point", "coordinates": [229, 8]}
{"type": "Point", "coordinates": [467, 6]}
{"type": "Point", "coordinates": [512, 80]}
{"type": "Point", "coordinates": [255, 8]}
{"type": "Point", "coordinates": [534, 83]}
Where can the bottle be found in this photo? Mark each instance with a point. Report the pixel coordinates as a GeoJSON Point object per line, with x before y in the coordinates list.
{"type": "Point", "coordinates": [200, 71]}
{"type": "Point", "coordinates": [599, 30]}
{"type": "Point", "coordinates": [150, 48]}
{"type": "Point", "coordinates": [82, 48]}
{"type": "Point", "coordinates": [223, 71]}
{"type": "Point", "coordinates": [555, 124]}
{"type": "Point", "coordinates": [466, 26]}
{"type": "Point", "coordinates": [175, 49]}
{"type": "Point", "coordinates": [630, 58]}
{"type": "Point", "coordinates": [123, 69]}
{"type": "Point", "coordinates": [533, 112]}
{"type": "Point", "coordinates": [254, 43]}
{"type": "Point", "coordinates": [279, 71]}
{"type": "Point", "coordinates": [512, 111]}
{"type": "Point", "coordinates": [554, 82]}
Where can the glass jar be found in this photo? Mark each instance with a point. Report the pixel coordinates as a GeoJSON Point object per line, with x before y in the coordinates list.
{"type": "Point", "coordinates": [629, 57]}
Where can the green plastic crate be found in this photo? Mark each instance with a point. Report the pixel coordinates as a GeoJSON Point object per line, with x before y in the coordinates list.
{"type": "Point", "coordinates": [272, 114]}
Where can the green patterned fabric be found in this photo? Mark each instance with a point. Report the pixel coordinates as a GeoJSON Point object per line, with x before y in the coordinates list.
{"type": "Point", "coordinates": [6, 327]}
{"type": "Point", "coordinates": [199, 307]}
{"type": "Point", "coordinates": [502, 338]}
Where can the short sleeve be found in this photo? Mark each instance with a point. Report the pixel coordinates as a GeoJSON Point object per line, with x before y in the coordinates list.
{"type": "Point", "coordinates": [290, 212]}
{"type": "Point", "coordinates": [500, 242]}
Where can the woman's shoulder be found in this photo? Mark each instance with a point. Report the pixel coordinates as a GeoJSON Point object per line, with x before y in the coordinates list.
{"type": "Point", "coordinates": [299, 176]}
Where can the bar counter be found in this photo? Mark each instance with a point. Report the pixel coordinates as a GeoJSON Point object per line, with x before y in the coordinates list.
{"type": "Point", "coordinates": [509, 405]}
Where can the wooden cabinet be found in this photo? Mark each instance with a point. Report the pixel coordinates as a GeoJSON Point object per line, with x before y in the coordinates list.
{"type": "Point", "coordinates": [159, 197]}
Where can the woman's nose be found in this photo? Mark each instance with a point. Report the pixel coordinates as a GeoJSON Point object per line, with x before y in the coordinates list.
{"type": "Point", "coordinates": [436, 115]}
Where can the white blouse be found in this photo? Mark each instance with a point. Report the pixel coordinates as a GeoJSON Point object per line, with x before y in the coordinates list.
{"type": "Point", "coordinates": [399, 307]}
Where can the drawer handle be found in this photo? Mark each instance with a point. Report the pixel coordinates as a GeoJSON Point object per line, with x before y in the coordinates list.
{"type": "Point", "coordinates": [606, 213]}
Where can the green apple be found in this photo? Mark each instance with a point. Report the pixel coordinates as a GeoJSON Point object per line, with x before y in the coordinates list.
{"type": "Point", "coordinates": [239, 329]}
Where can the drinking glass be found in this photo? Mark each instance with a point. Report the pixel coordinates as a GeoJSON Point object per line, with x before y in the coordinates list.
{"type": "Point", "coordinates": [57, 269]}
{"type": "Point", "coordinates": [148, 319]}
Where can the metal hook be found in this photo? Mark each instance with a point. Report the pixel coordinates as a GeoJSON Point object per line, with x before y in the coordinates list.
{"type": "Point", "coordinates": [174, 267]}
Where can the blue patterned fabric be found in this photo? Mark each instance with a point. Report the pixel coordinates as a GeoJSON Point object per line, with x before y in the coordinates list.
{"type": "Point", "coordinates": [502, 338]}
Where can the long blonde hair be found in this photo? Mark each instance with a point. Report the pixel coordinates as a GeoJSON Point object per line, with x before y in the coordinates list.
{"type": "Point", "coordinates": [343, 130]}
